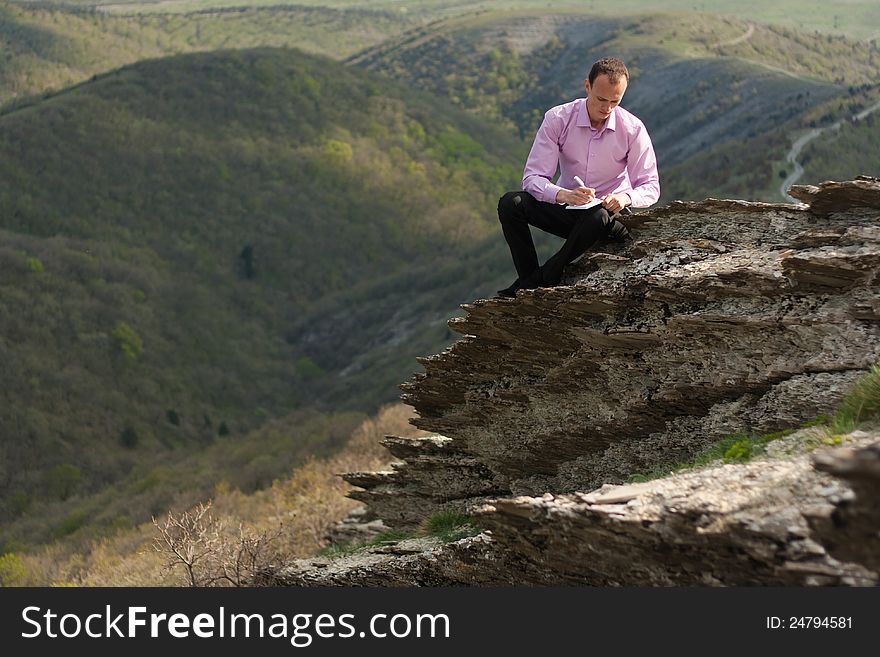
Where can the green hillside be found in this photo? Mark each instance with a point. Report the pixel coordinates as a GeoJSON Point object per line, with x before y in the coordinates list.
{"type": "Point", "coordinates": [48, 47]}
{"type": "Point", "coordinates": [858, 19]}
{"type": "Point", "coordinates": [168, 231]}
{"type": "Point", "coordinates": [720, 109]}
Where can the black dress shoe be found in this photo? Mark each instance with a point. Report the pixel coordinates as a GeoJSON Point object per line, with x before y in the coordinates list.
{"type": "Point", "coordinates": [619, 232]}
{"type": "Point", "coordinates": [509, 292]}
{"type": "Point", "coordinates": [535, 279]}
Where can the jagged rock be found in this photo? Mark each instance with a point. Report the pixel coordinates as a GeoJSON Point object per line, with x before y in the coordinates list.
{"type": "Point", "coordinates": [764, 522]}
{"type": "Point", "coordinates": [723, 317]}
{"type": "Point", "coordinates": [403, 566]}
{"type": "Point", "coordinates": [355, 529]}
{"type": "Point", "coordinates": [852, 531]}
{"type": "Point", "coordinates": [433, 476]}
{"type": "Point", "coordinates": [473, 561]}
{"type": "Point", "coordinates": [731, 525]}
{"type": "Point", "coordinates": [832, 196]}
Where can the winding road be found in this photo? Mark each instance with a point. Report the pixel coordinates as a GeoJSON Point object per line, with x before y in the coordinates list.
{"type": "Point", "coordinates": [739, 39]}
{"type": "Point", "coordinates": [805, 139]}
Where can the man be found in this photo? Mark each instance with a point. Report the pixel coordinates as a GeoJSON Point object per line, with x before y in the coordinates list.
{"type": "Point", "coordinates": [603, 152]}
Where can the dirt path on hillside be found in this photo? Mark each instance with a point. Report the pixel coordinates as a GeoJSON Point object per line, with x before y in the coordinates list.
{"type": "Point", "coordinates": [805, 139]}
{"type": "Point", "coordinates": [739, 39]}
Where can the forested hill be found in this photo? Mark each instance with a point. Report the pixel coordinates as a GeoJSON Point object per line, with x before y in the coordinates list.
{"type": "Point", "coordinates": [166, 228]}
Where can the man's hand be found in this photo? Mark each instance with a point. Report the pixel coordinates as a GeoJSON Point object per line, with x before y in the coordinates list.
{"type": "Point", "coordinates": [616, 202]}
{"type": "Point", "coordinates": [577, 196]}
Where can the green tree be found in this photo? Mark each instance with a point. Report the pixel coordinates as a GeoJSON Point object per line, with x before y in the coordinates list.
{"type": "Point", "coordinates": [129, 437]}
{"type": "Point", "coordinates": [307, 368]}
{"type": "Point", "coordinates": [247, 260]}
{"type": "Point", "coordinates": [12, 570]}
{"type": "Point", "coordinates": [128, 341]}
{"type": "Point", "coordinates": [62, 480]}
{"type": "Point", "coordinates": [34, 264]}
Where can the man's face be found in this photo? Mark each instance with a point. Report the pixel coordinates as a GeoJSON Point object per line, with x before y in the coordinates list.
{"type": "Point", "coordinates": [603, 96]}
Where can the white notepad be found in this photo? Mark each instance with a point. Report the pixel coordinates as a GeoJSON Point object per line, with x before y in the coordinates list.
{"type": "Point", "coordinates": [585, 206]}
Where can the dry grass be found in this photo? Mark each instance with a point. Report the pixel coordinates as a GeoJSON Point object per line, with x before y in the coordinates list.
{"type": "Point", "coordinates": [295, 513]}
{"type": "Point", "coordinates": [309, 503]}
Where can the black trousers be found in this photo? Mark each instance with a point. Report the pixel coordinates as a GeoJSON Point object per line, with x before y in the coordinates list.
{"type": "Point", "coordinates": [580, 229]}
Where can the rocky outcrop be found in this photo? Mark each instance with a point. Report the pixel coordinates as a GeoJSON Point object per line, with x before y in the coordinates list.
{"type": "Point", "coordinates": [723, 317]}
{"type": "Point", "coordinates": [776, 521]}
{"type": "Point", "coordinates": [730, 525]}
{"type": "Point", "coordinates": [852, 531]}
{"type": "Point", "coordinates": [834, 197]}
{"type": "Point", "coordinates": [431, 476]}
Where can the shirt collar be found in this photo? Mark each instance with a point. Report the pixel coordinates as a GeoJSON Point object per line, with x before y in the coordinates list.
{"type": "Point", "coordinates": [583, 121]}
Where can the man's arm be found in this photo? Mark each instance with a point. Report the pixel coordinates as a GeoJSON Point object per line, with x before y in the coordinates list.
{"type": "Point", "coordinates": [543, 160]}
{"type": "Point", "coordinates": [542, 163]}
{"type": "Point", "coordinates": [641, 166]}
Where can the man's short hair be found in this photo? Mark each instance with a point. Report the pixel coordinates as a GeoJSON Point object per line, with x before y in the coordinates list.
{"type": "Point", "coordinates": [610, 66]}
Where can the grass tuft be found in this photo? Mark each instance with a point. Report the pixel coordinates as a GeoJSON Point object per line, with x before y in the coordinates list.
{"type": "Point", "coordinates": [449, 526]}
{"type": "Point", "coordinates": [337, 550]}
{"type": "Point", "coordinates": [737, 448]}
{"type": "Point", "coordinates": [861, 404]}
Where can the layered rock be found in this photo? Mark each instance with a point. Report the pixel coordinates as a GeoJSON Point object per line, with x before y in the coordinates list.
{"type": "Point", "coordinates": [778, 521]}
{"type": "Point", "coordinates": [723, 317]}
{"type": "Point", "coordinates": [431, 476]}
{"type": "Point", "coordinates": [731, 525]}
{"type": "Point", "coordinates": [852, 531]}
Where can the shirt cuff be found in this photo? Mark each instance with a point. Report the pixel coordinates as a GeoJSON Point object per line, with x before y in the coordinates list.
{"type": "Point", "coordinates": [638, 199]}
{"type": "Point", "coordinates": [550, 192]}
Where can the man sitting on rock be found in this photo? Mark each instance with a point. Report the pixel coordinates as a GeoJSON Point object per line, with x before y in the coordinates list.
{"type": "Point", "coordinates": [603, 152]}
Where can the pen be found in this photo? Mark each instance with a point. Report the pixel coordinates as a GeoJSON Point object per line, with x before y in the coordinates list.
{"type": "Point", "coordinates": [582, 184]}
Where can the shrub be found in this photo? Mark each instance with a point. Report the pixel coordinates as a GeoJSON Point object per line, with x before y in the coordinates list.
{"type": "Point", "coordinates": [307, 369]}
{"type": "Point", "coordinates": [338, 152]}
{"type": "Point", "coordinates": [18, 503]}
{"type": "Point", "coordinates": [129, 438]}
{"type": "Point", "coordinates": [70, 524]}
{"type": "Point", "coordinates": [34, 265]}
{"type": "Point", "coordinates": [12, 570]}
{"type": "Point", "coordinates": [209, 553]}
{"type": "Point", "coordinates": [247, 261]}
{"type": "Point", "coordinates": [128, 341]}
{"type": "Point", "coordinates": [62, 480]}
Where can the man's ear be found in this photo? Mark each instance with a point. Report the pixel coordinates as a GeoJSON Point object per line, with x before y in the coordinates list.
{"type": "Point", "coordinates": [587, 86]}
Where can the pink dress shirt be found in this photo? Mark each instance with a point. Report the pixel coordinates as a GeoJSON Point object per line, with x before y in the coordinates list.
{"type": "Point", "coordinates": [617, 158]}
